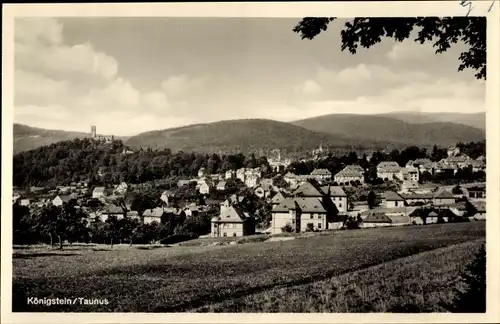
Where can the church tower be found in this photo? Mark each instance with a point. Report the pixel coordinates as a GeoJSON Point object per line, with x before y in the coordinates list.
{"type": "Point", "coordinates": [93, 131]}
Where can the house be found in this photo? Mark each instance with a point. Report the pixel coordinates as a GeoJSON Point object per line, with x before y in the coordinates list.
{"type": "Point", "coordinates": [201, 172]}
{"type": "Point", "coordinates": [476, 192]}
{"type": "Point", "coordinates": [277, 198]}
{"type": "Point", "coordinates": [453, 151]}
{"type": "Point", "coordinates": [388, 170]}
{"type": "Point", "coordinates": [98, 192]}
{"type": "Point", "coordinates": [61, 200]}
{"type": "Point", "coordinates": [233, 220]}
{"type": "Point", "coordinates": [392, 199]}
{"type": "Point", "coordinates": [229, 174]}
{"type": "Point", "coordinates": [477, 165]}
{"type": "Point", "coordinates": [184, 182]}
{"type": "Point", "coordinates": [443, 197]}
{"type": "Point", "coordinates": [380, 219]}
{"type": "Point", "coordinates": [251, 180]}
{"type": "Point", "coordinates": [409, 174]}
{"type": "Point", "coordinates": [152, 215]}
{"type": "Point", "coordinates": [24, 202]}
{"type": "Point", "coordinates": [122, 188]}
{"type": "Point", "coordinates": [350, 173]}
{"type": "Point", "coordinates": [338, 197]}
{"type": "Point", "coordinates": [240, 174]}
{"type": "Point", "coordinates": [111, 210]}
{"type": "Point", "coordinates": [204, 188]}
{"type": "Point", "coordinates": [321, 174]}
{"type": "Point", "coordinates": [480, 210]}
{"type": "Point", "coordinates": [166, 195]}
{"type": "Point", "coordinates": [221, 185]}
{"type": "Point", "coordinates": [309, 208]}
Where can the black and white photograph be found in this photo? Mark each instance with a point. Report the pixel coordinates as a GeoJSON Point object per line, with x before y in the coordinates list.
{"type": "Point", "coordinates": [246, 164]}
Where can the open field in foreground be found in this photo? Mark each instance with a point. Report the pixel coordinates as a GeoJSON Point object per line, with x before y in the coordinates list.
{"type": "Point", "coordinates": [423, 282]}
{"type": "Point", "coordinates": [178, 279]}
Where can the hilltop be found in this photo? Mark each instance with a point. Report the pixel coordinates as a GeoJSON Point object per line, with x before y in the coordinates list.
{"type": "Point", "coordinates": [245, 135]}
{"type": "Point", "coordinates": [378, 128]}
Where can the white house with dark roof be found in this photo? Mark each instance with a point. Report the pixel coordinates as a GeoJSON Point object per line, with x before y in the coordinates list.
{"type": "Point", "coordinates": [152, 215]}
{"type": "Point", "coordinates": [350, 173]}
{"type": "Point", "coordinates": [233, 220]}
{"type": "Point", "coordinates": [98, 192]}
{"type": "Point", "coordinates": [388, 170]}
{"type": "Point", "coordinates": [338, 197]}
{"type": "Point", "coordinates": [444, 197]}
{"type": "Point", "coordinates": [309, 207]}
{"type": "Point", "coordinates": [321, 174]}
{"type": "Point", "coordinates": [391, 199]}
{"type": "Point", "coordinates": [221, 185]}
{"type": "Point", "coordinates": [61, 200]}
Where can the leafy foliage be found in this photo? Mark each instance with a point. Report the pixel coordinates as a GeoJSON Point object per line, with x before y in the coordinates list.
{"type": "Point", "coordinates": [442, 32]}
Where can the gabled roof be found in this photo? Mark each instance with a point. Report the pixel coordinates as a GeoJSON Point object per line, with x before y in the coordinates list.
{"type": "Point", "coordinates": [285, 205]}
{"type": "Point", "coordinates": [392, 196]}
{"type": "Point", "coordinates": [99, 189]}
{"type": "Point", "coordinates": [410, 196]}
{"type": "Point", "coordinates": [335, 191]}
{"type": "Point", "coordinates": [155, 212]}
{"type": "Point", "coordinates": [443, 194]}
{"type": "Point", "coordinates": [349, 172]}
{"type": "Point", "coordinates": [233, 214]}
{"type": "Point", "coordinates": [65, 198]}
{"type": "Point", "coordinates": [221, 183]}
{"type": "Point", "coordinates": [377, 218]}
{"type": "Point", "coordinates": [307, 189]}
{"type": "Point", "coordinates": [112, 209]}
{"type": "Point", "coordinates": [399, 219]}
{"type": "Point", "coordinates": [321, 172]}
{"type": "Point", "coordinates": [310, 205]}
{"type": "Point", "coordinates": [278, 197]}
{"type": "Point", "coordinates": [388, 166]}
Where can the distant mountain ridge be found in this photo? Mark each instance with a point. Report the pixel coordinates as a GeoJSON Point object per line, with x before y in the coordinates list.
{"type": "Point", "coordinates": [335, 130]}
{"type": "Point", "coordinates": [380, 127]}
{"type": "Point", "coordinates": [242, 135]}
{"type": "Point", "coordinates": [476, 120]}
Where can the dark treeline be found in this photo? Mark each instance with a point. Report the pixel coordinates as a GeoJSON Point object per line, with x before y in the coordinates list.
{"type": "Point", "coordinates": [99, 162]}
{"type": "Point", "coordinates": [71, 223]}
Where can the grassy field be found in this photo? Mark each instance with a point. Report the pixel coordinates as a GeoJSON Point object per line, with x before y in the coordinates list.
{"type": "Point", "coordinates": [423, 282]}
{"type": "Point", "coordinates": [177, 279]}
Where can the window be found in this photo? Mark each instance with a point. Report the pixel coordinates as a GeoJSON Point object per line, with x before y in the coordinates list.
{"type": "Point", "coordinates": [320, 216]}
{"type": "Point", "coordinates": [234, 234]}
{"type": "Point", "coordinates": [319, 225]}
{"type": "Point", "coordinates": [340, 205]}
{"type": "Point", "coordinates": [225, 234]}
{"type": "Point", "coordinates": [395, 203]}
{"type": "Point", "coordinates": [312, 216]}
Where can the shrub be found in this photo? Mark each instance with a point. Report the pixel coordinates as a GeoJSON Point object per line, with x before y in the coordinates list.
{"type": "Point", "coordinates": [287, 228]}
{"type": "Point", "coordinates": [473, 299]}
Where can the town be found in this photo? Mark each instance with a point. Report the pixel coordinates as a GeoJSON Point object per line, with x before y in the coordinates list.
{"type": "Point", "coordinates": [262, 196]}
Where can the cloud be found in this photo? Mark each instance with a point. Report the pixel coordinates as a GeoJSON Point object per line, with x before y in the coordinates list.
{"type": "Point", "coordinates": [410, 50]}
{"type": "Point", "coordinates": [180, 84]}
{"type": "Point", "coordinates": [78, 84]}
{"type": "Point", "coordinates": [309, 87]}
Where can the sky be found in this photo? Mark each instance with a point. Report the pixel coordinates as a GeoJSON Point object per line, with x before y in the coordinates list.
{"type": "Point", "coordinates": [130, 75]}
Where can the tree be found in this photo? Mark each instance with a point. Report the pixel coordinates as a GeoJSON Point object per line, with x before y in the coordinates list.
{"type": "Point", "coordinates": [473, 298]}
{"type": "Point", "coordinates": [443, 32]}
{"type": "Point", "coordinates": [372, 199]}
{"type": "Point", "coordinates": [456, 190]}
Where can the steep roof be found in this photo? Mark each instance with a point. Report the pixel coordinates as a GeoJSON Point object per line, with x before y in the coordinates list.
{"type": "Point", "coordinates": [112, 209]}
{"type": "Point", "coordinates": [335, 191]}
{"type": "Point", "coordinates": [285, 205]}
{"type": "Point", "coordinates": [65, 198]}
{"type": "Point", "coordinates": [307, 189]}
{"type": "Point", "coordinates": [278, 197]}
{"type": "Point", "coordinates": [417, 196]}
{"type": "Point", "coordinates": [155, 212]}
{"type": "Point", "coordinates": [233, 214]}
{"type": "Point", "coordinates": [443, 194]}
{"type": "Point", "coordinates": [321, 172]}
{"type": "Point", "coordinates": [392, 196]}
{"type": "Point", "coordinates": [310, 205]}
{"type": "Point", "coordinates": [399, 219]}
{"type": "Point", "coordinates": [388, 166]}
{"type": "Point", "coordinates": [349, 173]}
{"type": "Point", "coordinates": [98, 189]}
{"type": "Point", "coordinates": [377, 218]}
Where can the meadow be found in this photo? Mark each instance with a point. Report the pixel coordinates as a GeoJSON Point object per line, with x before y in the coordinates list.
{"type": "Point", "coordinates": [224, 278]}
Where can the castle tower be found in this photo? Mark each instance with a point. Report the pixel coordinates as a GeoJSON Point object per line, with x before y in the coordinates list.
{"type": "Point", "coordinates": [93, 131]}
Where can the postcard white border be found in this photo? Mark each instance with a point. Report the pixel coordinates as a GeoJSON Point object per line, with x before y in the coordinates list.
{"type": "Point", "coordinates": [348, 9]}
